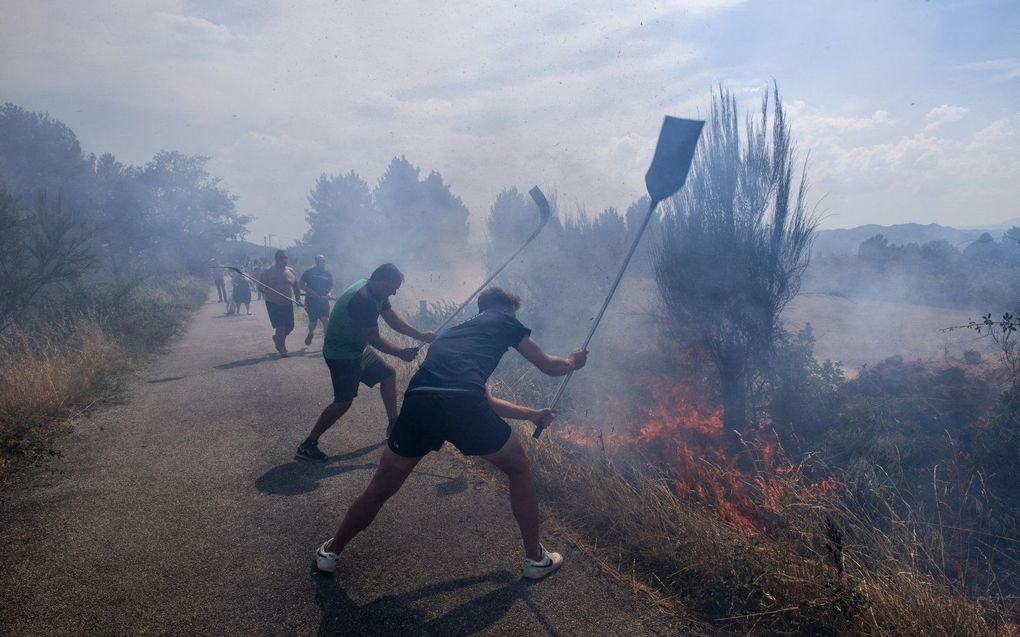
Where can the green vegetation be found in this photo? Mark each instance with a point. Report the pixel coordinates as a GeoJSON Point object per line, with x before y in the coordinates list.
{"type": "Point", "coordinates": [101, 264]}
{"type": "Point", "coordinates": [404, 218]}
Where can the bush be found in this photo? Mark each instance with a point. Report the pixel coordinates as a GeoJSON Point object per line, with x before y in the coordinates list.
{"type": "Point", "coordinates": [804, 395]}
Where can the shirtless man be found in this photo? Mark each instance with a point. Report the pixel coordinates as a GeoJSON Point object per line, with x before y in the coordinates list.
{"type": "Point", "coordinates": [280, 279]}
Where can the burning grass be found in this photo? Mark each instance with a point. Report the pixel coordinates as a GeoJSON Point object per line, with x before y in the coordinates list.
{"type": "Point", "coordinates": [819, 569]}
{"type": "Point", "coordinates": [747, 541]}
{"type": "Point", "coordinates": [53, 370]}
{"type": "Point", "coordinates": [759, 547]}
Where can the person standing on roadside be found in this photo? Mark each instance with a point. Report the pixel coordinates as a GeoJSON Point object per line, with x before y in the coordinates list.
{"type": "Point", "coordinates": [317, 283]}
{"type": "Point", "coordinates": [216, 272]}
{"type": "Point", "coordinates": [353, 326]}
{"type": "Point", "coordinates": [448, 399]}
{"type": "Point", "coordinates": [257, 270]}
{"type": "Point", "coordinates": [242, 292]}
{"type": "Point", "coordinates": [278, 280]}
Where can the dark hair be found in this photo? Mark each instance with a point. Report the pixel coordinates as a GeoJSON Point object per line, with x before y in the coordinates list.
{"type": "Point", "coordinates": [498, 298]}
{"type": "Point", "coordinates": [280, 253]}
{"type": "Point", "coordinates": [387, 272]}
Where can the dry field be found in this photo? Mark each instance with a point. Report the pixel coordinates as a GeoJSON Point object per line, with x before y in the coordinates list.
{"type": "Point", "coordinates": [859, 332]}
{"type": "Point", "coordinates": [856, 332]}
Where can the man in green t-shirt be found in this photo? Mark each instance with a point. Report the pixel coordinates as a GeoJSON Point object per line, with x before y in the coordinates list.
{"type": "Point", "coordinates": [353, 326]}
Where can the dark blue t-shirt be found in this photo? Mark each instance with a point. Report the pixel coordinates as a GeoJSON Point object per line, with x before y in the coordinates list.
{"type": "Point", "coordinates": [318, 280]}
{"type": "Point", "coordinates": [464, 356]}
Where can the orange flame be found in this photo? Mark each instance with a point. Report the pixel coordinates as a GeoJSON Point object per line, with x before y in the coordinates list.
{"type": "Point", "coordinates": [681, 431]}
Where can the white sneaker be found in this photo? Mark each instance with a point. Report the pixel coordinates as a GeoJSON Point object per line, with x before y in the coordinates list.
{"type": "Point", "coordinates": [545, 566]}
{"type": "Point", "coordinates": [326, 560]}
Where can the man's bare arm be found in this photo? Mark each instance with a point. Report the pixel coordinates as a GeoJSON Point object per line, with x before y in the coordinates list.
{"type": "Point", "coordinates": [401, 326]}
{"type": "Point", "coordinates": [549, 364]}
{"type": "Point", "coordinates": [376, 340]}
{"type": "Point", "coordinates": [507, 409]}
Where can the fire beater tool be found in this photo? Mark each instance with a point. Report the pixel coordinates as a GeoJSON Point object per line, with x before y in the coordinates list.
{"type": "Point", "coordinates": [667, 174]}
{"type": "Point", "coordinates": [256, 281]}
{"type": "Point", "coordinates": [544, 214]}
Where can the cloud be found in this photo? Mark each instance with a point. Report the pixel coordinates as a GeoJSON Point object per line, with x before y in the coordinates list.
{"type": "Point", "coordinates": [568, 95]}
{"type": "Point", "coordinates": [944, 114]}
{"type": "Point", "coordinates": [193, 28]}
{"type": "Point", "coordinates": [921, 176]}
{"type": "Point", "coordinates": [999, 69]}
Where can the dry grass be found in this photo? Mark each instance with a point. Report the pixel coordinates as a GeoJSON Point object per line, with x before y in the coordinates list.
{"type": "Point", "coordinates": [819, 565]}
{"type": "Point", "coordinates": [59, 369]}
{"type": "Point", "coordinates": [820, 569]}
{"type": "Point", "coordinates": [46, 377]}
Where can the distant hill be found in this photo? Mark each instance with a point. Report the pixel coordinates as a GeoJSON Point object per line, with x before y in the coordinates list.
{"type": "Point", "coordinates": [846, 241]}
{"type": "Point", "coordinates": [1005, 225]}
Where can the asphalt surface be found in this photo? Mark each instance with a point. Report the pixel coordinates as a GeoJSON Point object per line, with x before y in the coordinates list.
{"type": "Point", "coordinates": [184, 511]}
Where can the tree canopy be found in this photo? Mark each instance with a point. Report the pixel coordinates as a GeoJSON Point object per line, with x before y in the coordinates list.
{"type": "Point", "coordinates": [403, 217]}
{"type": "Point", "coordinates": [68, 214]}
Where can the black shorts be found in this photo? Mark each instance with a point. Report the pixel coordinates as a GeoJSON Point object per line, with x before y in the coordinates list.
{"type": "Point", "coordinates": [316, 308]}
{"type": "Point", "coordinates": [429, 418]}
{"type": "Point", "coordinates": [281, 316]}
{"type": "Point", "coordinates": [347, 374]}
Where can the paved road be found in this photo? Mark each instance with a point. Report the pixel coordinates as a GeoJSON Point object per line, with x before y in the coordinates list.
{"type": "Point", "coordinates": [183, 511]}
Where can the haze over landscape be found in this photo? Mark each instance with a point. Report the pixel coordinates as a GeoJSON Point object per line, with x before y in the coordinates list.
{"type": "Point", "coordinates": [910, 110]}
{"type": "Point", "coordinates": [799, 411]}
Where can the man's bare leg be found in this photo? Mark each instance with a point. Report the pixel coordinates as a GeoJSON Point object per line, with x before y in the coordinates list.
{"type": "Point", "coordinates": [388, 391]}
{"type": "Point", "coordinates": [512, 461]}
{"type": "Point", "coordinates": [388, 479]}
{"type": "Point", "coordinates": [280, 339]}
{"type": "Point", "coordinates": [328, 417]}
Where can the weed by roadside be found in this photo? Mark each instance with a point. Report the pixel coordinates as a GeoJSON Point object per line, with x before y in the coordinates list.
{"type": "Point", "coordinates": [51, 370]}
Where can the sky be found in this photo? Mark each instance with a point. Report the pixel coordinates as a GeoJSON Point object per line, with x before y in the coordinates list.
{"type": "Point", "coordinates": [905, 111]}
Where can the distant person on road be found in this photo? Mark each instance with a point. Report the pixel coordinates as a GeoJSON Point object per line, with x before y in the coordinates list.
{"type": "Point", "coordinates": [216, 273]}
{"type": "Point", "coordinates": [242, 292]}
{"type": "Point", "coordinates": [257, 269]}
{"type": "Point", "coordinates": [353, 326]}
{"type": "Point", "coordinates": [280, 279]}
{"type": "Point", "coordinates": [448, 400]}
{"type": "Point", "coordinates": [317, 283]}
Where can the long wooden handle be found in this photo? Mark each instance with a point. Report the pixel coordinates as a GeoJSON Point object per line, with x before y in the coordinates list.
{"type": "Point", "coordinates": [591, 332]}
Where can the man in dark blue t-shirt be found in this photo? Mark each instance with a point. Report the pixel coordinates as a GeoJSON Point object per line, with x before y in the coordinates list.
{"type": "Point", "coordinates": [317, 283]}
{"type": "Point", "coordinates": [448, 400]}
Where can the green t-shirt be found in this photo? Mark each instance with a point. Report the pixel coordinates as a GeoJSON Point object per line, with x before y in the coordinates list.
{"type": "Point", "coordinates": [354, 311]}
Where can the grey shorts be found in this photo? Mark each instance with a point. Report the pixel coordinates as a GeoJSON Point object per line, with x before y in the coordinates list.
{"type": "Point", "coordinates": [317, 308]}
